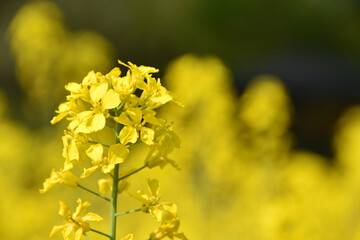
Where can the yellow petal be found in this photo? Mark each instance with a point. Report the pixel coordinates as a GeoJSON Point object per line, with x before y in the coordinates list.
{"type": "Point", "coordinates": [96, 123]}
{"type": "Point", "coordinates": [108, 168]}
{"type": "Point", "coordinates": [157, 214]}
{"type": "Point", "coordinates": [104, 185]}
{"type": "Point", "coordinates": [56, 229]}
{"type": "Point", "coordinates": [161, 99]}
{"type": "Point", "coordinates": [115, 72]}
{"type": "Point", "coordinates": [95, 152]}
{"type": "Point", "coordinates": [122, 186]}
{"type": "Point", "coordinates": [63, 111]}
{"type": "Point", "coordinates": [128, 134]}
{"type": "Point", "coordinates": [117, 153]}
{"type": "Point", "coordinates": [84, 115]}
{"type": "Point", "coordinates": [73, 124]}
{"type": "Point", "coordinates": [73, 152]}
{"type": "Point", "coordinates": [68, 165]}
{"type": "Point", "coordinates": [89, 79]}
{"type": "Point", "coordinates": [58, 118]}
{"type": "Point", "coordinates": [110, 100]}
{"type": "Point", "coordinates": [123, 119]}
{"type": "Point", "coordinates": [140, 82]}
{"type": "Point", "coordinates": [47, 185]}
{"type": "Point", "coordinates": [78, 234]}
{"type": "Point", "coordinates": [92, 217]}
{"type": "Point", "coordinates": [68, 179]}
{"type": "Point", "coordinates": [73, 87]}
{"type": "Point", "coordinates": [154, 187]}
{"type": "Point", "coordinates": [130, 117]}
{"type": "Point", "coordinates": [135, 114]}
{"type": "Point", "coordinates": [88, 171]}
{"type": "Point", "coordinates": [67, 232]}
{"type": "Point", "coordinates": [98, 91]}
{"type": "Point", "coordinates": [171, 208]}
{"type": "Point", "coordinates": [147, 135]}
{"type": "Point", "coordinates": [141, 196]}
{"type": "Point", "coordinates": [81, 207]}
{"type": "Point", "coordinates": [50, 182]}
{"type": "Point", "coordinates": [152, 120]}
{"type": "Point", "coordinates": [167, 216]}
{"type": "Point", "coordinates": [147, 70]}
{"type": "Point", "coordinates": [64, 210]}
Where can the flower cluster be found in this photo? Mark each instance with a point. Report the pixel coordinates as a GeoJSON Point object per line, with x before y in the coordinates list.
{"type": "Point", "coordinates": [127, 106]}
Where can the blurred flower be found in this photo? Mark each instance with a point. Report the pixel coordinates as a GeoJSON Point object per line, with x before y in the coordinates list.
{"type": "Point", "coordinates": [168, 229]}
{"type": "Point", "coordinates": [47, 55]}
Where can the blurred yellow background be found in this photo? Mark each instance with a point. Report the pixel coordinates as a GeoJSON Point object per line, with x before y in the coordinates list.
{"type": "Point", "coordinates": [242, 176]}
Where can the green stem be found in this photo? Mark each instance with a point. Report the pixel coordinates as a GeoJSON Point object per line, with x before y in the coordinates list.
{"type": "Point", "coordinates": [101, 233]}
{"type": "Point", "coordinates": [127, 212]}
{"type": "Point", "coordinates": [94, 142]}
{"type": "Point", "coordinates": [109, 126]}
{"type": "Point", "coordinates": [95, 193]}
{"type": "Point", "coordinates": [135, 171]}
{"type": "Point", "coordinates": [114, 129]}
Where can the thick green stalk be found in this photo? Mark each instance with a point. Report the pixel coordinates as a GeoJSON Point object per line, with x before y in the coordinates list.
{"type": "Point", "coordinates": [114, 195]}
{"type": "Point", "coordinates": [113, 203]}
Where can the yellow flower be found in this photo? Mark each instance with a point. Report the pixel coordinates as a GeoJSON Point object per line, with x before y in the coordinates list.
{"type": "Point", "coordinates": [125, 86]}
{"type": "Point", "coordinates": [63, 177]}
{"type": "Point", "coordinates": [102, 99]}
{"type": "Point", "coordinates": [138, 74]}
{"type": "Point", "coordinates": [148, 200]}
{"type": "Point", "coordinates": [164, 144]}
{"type": "Point", "coordinates": [131, 119]}
{"type": "Point", "coordinates": [160, 211]}
{"type": "Point", "coordinates": [156, 157]}
{"type": "Point", "coordinates": [117, 153]}
{"type": "Point", "coordinates": [73, 150]}
{"type": "Point", "coordinates": [168, 229]}
{"type": "Point", "coordinates": [73, 221]}
{"type": "Point", "coordinates": [70, 109]}
{"type": "Point", "coordinates": [94, 89]}
{"type": "Point", "coordinates": [154, 94]}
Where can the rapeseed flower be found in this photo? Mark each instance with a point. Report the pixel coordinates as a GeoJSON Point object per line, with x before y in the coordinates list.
{"type": "Point", "coordinates": [117, 153]}
{"type": "Point", "coordinates": [73, 221]}
{"type": "Point", "coordinates": [63, 177]}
